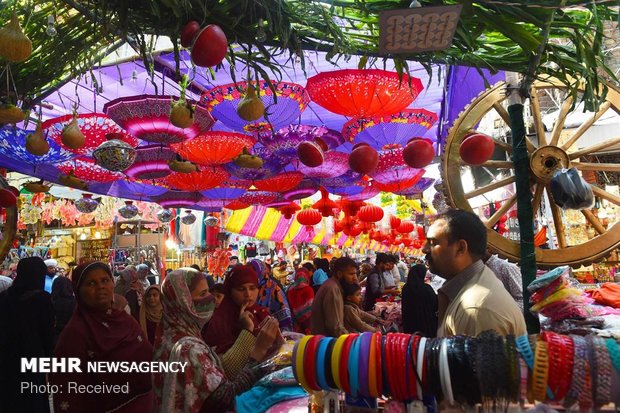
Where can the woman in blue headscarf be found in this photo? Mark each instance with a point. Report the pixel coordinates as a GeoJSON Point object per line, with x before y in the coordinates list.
{"type": "Point", "coordinates": [271, 296]}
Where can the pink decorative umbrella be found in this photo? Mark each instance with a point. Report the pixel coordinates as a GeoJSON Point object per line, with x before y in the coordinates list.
{"type": "Point", "coordinates": [229, 189]}
{"type": "Point", "coordinates": [422, 185]}
{"type": "Point", "coordinates": [147, 117]}
{"type": "Point", "coordinates": [284, 142]}
{"type": "Point", "coordinates": [389, 131]}
{"type": "Point", "coordinates": [392, 168]}
{"type": "Point", "coordinates": [258, 197]}
{"type": "Point", "coordinates": [335, 164]}
{"type": "Point", "coordinates": [151, 162]}
{"type": "Point", "coordinates": [87, 170]}
{"type": "Point", "coordinates": [363, 93]}
{"type": "Point", "coordinates": [177, 199]}
{"type": "Point", "coordinates": [213, 147]}
{"type": "Point", "coordinates": [222, 102]}
{"type": "Point", "coordinates": [94, 127]}
{"type": "Point", "coordinates": [271, 166]}
{"type": "Point", "coordinates": [370, 191]}
{"type": "Point", "coordinates": [305, 189]}
{"type": "Point", "coordinates": [282, 182]}
{"type": "Point", "coordinates": [202, 180]}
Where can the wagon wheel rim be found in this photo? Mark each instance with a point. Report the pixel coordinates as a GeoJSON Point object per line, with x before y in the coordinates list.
{"type": "Point", "coordinates": [547, 153]}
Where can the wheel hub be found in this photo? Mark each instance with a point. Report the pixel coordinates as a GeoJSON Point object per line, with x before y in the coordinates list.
{"type": "Point", "coordinates": [546, 160]}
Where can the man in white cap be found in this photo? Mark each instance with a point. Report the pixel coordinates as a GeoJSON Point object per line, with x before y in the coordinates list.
{"type": "Point", "coordinates": [52, 269]}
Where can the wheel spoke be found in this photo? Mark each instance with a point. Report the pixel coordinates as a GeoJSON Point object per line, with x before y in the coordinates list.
{"type": "Point", "coordinates": [505, 146]}
{"type": "Point", "coordinates": [538, 122]}
{"type": "Point", "coordinates": [595, 166]}
{"type": "Point", "coordinates": [499, 164]}
{"type": "Point", "coordinates": [557, 221]}
{"type": "Point", "coordinates": [538, 193]}
{"type": "Point", "coordinates": [559, 123]}
{"type": "Point", "coordinates": [601, 193]}
{"type": "Point", "coordinates": [596, 223]}
{"type": "Point", "coordinates": [589, 149]}
{"type": "Point", "coordinates": [585, 126]}
{"type": "Point", "coordinates": [490, 187]}
{"type": "Point", "coordinates": [502, 112]}
{"type": "Point", "coordinates": [501, 211]}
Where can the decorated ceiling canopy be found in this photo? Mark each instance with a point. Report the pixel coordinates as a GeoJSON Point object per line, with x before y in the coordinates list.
{"type": "Point", "coordinates": [87, 170]}
{"type": "Point", "coordinates": [335, 164]}
{"type": "Point", "coordinates": [222, 102]}
{"type": "Point", "coordinates": [271, 166]}
{"type": "Point", "coordinates": [177, 199]}
{"type": "Point", "coordinates": [213, 147]}
{"type": "Point", "coordinates": [283, 144]}
{"type": "Point", "coordinates": [363, 93]}
{"type": "Point", "coordinates": [94, 127]}
{"type": "Point", "coordinates": [208, 178]}
{"type": "Point", "coordinates": [13, 146]}
{"type": "Point", "coordinates": [148, 118]}
{"type": "Point", "coordinates": [389, 131]}
{"type": "Point", "coordinates": [229, 189]}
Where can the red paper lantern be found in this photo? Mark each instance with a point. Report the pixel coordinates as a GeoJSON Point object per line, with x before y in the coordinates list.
{"type": "Point", "coordinates": [394, 222]}
{"type": "Point", "coordinates": [309, 217]}
{"type": "Point", "coordinates": [280, 183]}
{"type": "Point", "coordinates": [418, 153]}
{"type": "Point", "coordinates": [354, 231]}
{"type": "Point", "coordinates": [421, 234]}
{"type": "Point", "coordinates": [476, 148]}
{"type": "Point", "coordinates": [337, 226]}
{"type": "Point", "coordinates": [325, 205]}
{"type": "Point", "coordinates": [370, 213]}
{"type": "Point", "coordinates": [7, 198]}
{"type": "Point", "coordinates": [406, 227]}
{"type": "Point", "coordinates": [350, 208]}
{"type": "Point", "coordinates": [287, 211]}
{"type": "Point", "coordinates": [367, 227]}
{"type": "Point", "coordinates": [210, 46]}
{"type": "Point", "coordinates": [363, 158]}
{"type": "Point", "coordinates": [406, 241]}
{"type": "Point", "coordinates": [310, 154]}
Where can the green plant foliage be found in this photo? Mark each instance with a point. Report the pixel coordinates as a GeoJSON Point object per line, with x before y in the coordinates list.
{"type": "Point", "coordinates": [490, 34]}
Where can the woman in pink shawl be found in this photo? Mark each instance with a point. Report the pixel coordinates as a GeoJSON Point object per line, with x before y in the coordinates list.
{"type": "Point", "coordinates": [98, 332]}
{"type": "Point", "coordinates": [203, 386]}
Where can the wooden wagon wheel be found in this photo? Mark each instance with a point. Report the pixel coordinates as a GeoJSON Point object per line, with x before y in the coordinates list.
{"type": "Point", "coordinates": [548, 152]}
{"type": "Point", "coordinates": [10, 225]}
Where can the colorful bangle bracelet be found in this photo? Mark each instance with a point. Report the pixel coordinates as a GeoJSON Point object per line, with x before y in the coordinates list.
{"type": "Point", "coordinates": [364, 360]}
{"type": "Point", "coordinates": [299, 362]}
{"type": "Point", "coordinates": [336, 356]}
{"type": "Point", "coordinates": [384, 367]}
{"type": "Point", "coordinates": [372, 367]}
{"type": "Point", "coordinates": [388, 364]}
{"type": "Point", "coordinates": [344, 361]}
{"type": "Point", "coordinates": [420, 366]}
{"type": "Point", "coordinates": [404, 365]}
{"type": "Point", "coordinates": [579, 366]}
{"type": "Point", "coordinates": [601, 370]}
{"type": "Point", "coordinates": [444, 371]}
{"type": "Point", "coordinates": [329, 374]}
{"type": "Point", "coordinates": [614, 353]}
{"type": "Point", "coordinates": [401, 341]}
{"type": "Point", "coordinates": [354, 367]}
{"type": "Point", "coordinates": [561, 357]}
{"type": "Point", "coordinates": [380, 362]}
{"type": "Point", "coordinates": [294, 360]}
{"type": "Point", "coordinates": [524, 371]}
{"type": "Point", "coordinates": [321, 379]}
{"type": "Point", "coordinates": [397, 367]}
{"type": "Point", "coordinates": [541, 371]}
{"type": "Point", "coordinates": [411, 363]}
{"type": "Point", "coordinates": [310, 358]}
{"type": "Point", "coordinates": [523, 345]}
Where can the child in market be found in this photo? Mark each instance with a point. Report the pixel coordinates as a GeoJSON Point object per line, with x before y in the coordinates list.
{"type": "Point", "coordinates": [218, 293]}
{"type": "Point", "coordinates": [355, 319]}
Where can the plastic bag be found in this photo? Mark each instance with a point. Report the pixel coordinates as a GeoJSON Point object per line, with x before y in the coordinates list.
{"type": "Point", "coordinates": [571, 191]}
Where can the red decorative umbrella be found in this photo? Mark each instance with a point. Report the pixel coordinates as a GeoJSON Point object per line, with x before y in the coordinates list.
{"type": "Point", "coordinates": [335, 164]}
{"type": "Point", "coordinates": [151, 162]}
{"type": "Point", "coordinates": [87, 170]}
{"type": "Point", "coordinates": [280, 183]}
{"type": "Point", "coordinates": [283, 144]}
{"type": "Point", "coordinates": [229, 189]}
{"type": "Point", "coordinates": [94, 127]}
{"type": "Point", "coordinates": [392, 168]}
{"type": "Point", "coordinates": [148, 118]}
{"type": "Point", "coordinates": [213, 147]}
{"type": "Point", "coordinates": [222, 102]}
{"type": "Point", "coordinates": [177, 199]}
{"type": "Point", "coordinates": [236, 205]}
{"type": "Point", "coordinates": [363, 93]}
{"type": "Point", "coordinates": [370, 191]}
{"type": "Point", "coordinates": [398, 186]}
{"type": "Point", "coordinates": [258, 197]}
{"type": "Point", "coordinates": [197, 181]}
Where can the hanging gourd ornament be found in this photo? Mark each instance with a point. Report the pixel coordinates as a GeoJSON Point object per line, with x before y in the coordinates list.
{"type": "Point", "coordinates": [36, 143]}
{"type": "Point", "coordinates": [247, 160]}
{"type": "Point", "coordinates": [71, 136]}
{"type": "Point", "coordinates": [476, 148]}
{"type": "Point", "coordinates": [36, 187]}
{"type": "Point", "coordinates": [251, 107]}
{"type": "Point", "coordinates": [15, 46]}
{"type": "Point", "coordinates": [183, 167]}
{"type": "Point", "coordinates": [11, 114]}
{"type": "Point", "coordinates": [72, 181]}
{"type": "Point", "coordinates": [181, 111]}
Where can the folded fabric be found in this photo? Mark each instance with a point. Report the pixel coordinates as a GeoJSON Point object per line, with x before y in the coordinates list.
{"type": "Point", "coordinates": [607, 294]}
{"type": "Point", "coordinates": [283, 377]}
{"type": "Point", "coordinates": [260, 398]}
{"type": "Point", "coordinates": [548, 278]}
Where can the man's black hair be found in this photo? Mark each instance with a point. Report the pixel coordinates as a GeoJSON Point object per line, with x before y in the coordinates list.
{"type": "Point", "coordinates": [350, 289]}
{"type": "Point", "coordinates": [343, 263]}
{"type": "Point", "coordinates": [382, 258]}
{"type": "Point", "coordinates": [195, 266]}
{"type": "Point", "coordinates": [467, 226]}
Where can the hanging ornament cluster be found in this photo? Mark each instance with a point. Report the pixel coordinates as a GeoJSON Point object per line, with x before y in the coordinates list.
{"type": "Point", "coordinates": [189, 218]}
{"type": "Point", "coordinates": [115, 154]}
{"type": "Point", "coordinates": [165, 215]}
{"type": "Point", "coordinates": [129, 210]}
{"type": "Point", "coordinates": [86, 204]}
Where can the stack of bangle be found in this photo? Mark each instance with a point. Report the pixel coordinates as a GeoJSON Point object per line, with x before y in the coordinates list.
{"type": "Point", "coordinates": [561, 356]}
{"type": "Point", "coordinates": [541, 371]}
{"type": "Point", "coordinates": [601, 370]}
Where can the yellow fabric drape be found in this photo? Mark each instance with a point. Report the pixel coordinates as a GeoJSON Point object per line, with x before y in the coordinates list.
{"type": "Point", "coordinates": [238, 219]}
{"type": "Point", "coordinates": [268, 224]}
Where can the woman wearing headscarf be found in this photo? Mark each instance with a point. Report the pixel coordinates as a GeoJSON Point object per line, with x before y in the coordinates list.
{"type": "Point", "coordinates": [123, 282]}
{"type": "Point", "coordinates": [26, 330]}
{"type": "Point", "coordinates": [135, 294]}
{"type": "Point", "coordinates": [98, 332]}
{"type": "Point", "coordinates": [150, 312]}
{"type": "Point", "coordinates": [271, 295]}
{"type": "Point", "coordinates": [300, 296]}
{"type": "Point", "coordinates": [203, 386]}
{"type": "Point", "coordinates": [63, 302]}
{"type": "Point", "coordinates": [419, 305]}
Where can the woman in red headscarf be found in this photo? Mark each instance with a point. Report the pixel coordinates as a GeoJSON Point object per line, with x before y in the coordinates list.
{"type": "Point", "coordinates": [300, 298]}
{"type": "Point", "coordinates": [98, 332]}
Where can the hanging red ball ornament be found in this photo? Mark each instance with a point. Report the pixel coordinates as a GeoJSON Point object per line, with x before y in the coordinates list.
{"type": "Point", "coordinates": [476, 148]}
{"type": "Point", "coordinates": [418, 153]}
{"type": "Point", "coordinates": [7, 198]}
{"type": "Point", "coordinates": [210, 46]}
{"type": "Point", "coordinates": [406, 227]}
{"type": "Point", "coordinates": [363, 158]}
{"type": "Point", "coordinates": [309, 217]}
{"type": "Point", "coordinates": [189, 32]}
{"type": "Point", "coordinates": [310, 154]}
{"type": "Point", "coordinates": [370, 213]}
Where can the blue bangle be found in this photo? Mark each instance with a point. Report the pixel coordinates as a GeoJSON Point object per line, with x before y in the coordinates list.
{"type": "Point", "coordinates": [353, 366]}
{"type": "Point", "coordinates": [614, 353]}
{"type": "Point", "coordinates": [523, 345]}
{"type": "Point", "coordinates": [320, 364]}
